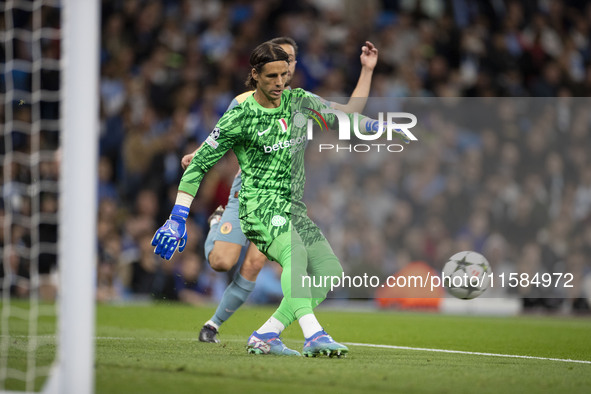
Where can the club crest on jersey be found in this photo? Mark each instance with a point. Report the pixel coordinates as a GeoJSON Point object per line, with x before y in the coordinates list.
{"type": "Point", "coordinates": [299, 119]}
{"type": "Point", "coordinates": [283, 125]}
{"type": "Point", "coordinates": [226, 228]}
{"type": "Point", "coordinates": [278, 221]}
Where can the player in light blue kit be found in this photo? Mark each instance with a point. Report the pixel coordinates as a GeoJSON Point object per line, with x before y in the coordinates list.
{"type": "Point", "coordinates": [225, 239]}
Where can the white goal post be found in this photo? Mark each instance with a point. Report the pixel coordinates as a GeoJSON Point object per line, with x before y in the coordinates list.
{"type": "Point", "coordinates": [73, 369]}
{"type": "Point", "coordinates": [77, 240]}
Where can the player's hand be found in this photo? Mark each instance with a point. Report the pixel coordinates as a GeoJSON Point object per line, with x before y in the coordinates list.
{"type": "Point", "coordinates": [373, 126]}
{"type": "Point", "coordinates": [186, 160]}
{"type": "Point", "coordinates": [369, 55]}
{"type": "Point", "coordinates": [172, 234]}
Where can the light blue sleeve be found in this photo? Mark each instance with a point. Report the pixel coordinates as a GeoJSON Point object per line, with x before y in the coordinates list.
{"type": "Point", "coordinates": [233, 103]}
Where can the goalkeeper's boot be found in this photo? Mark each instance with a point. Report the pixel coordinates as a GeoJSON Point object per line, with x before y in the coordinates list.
{"type": "Point", "coordinates": [209, 334]}
{"type": "Point", "coordinates": [268, 343]}
{"type": "Point", "coordinates": [216, 216]}
{"type": "Point", "coordinates": [322, 343]}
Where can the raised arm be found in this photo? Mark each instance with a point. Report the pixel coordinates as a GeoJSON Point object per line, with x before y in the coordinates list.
{"type": "Point", "coordinates": [347, 123]}
{"type": "Point", "coordinates": [358, 99]}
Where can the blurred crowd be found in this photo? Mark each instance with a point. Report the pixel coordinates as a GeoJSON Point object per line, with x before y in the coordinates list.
{"type": "Point", "coordinates": [518, 191]}
{"type": "Point", "coordinates": [506, 177]}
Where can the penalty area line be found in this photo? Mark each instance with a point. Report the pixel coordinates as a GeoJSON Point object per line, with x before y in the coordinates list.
{"type": "Point", "coordinates": [564, 360]}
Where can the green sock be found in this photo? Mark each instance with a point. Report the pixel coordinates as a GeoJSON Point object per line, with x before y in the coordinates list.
{"type": "Point", "coordinates": [289, 251]}
{"type": "Point", "coordinates": [284, 313]}
{"type": "Point", "coordinates": [321, 262]}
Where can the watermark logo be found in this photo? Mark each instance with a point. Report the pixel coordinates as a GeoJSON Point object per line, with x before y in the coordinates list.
{"type": "Point", "coordinates": [394, 125]}
{"type": "Point", "coordinates": [317, 117]}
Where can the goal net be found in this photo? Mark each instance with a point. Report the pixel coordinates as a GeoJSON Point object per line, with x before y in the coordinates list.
{"type": "Point", "coordinates": [48, 150]}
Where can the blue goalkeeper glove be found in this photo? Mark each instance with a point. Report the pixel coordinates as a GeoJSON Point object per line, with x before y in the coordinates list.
{"type": "Point", "coordinates": [372, 127]}
{"type": "Point", "coordinates": [173, 234]}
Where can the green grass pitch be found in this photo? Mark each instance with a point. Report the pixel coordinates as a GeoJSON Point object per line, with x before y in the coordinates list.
{"type": "Point", "coordinates": [153, 349]}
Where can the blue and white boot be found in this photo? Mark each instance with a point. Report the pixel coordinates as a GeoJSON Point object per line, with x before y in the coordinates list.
{"type": "Point", "coordinates": [268, 343]}
{"type": "Point", "coordinates": [322, 343]}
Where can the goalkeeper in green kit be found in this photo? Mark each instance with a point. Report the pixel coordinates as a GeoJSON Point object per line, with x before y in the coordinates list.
{"type": "Point", "coordinates": [270, 151]}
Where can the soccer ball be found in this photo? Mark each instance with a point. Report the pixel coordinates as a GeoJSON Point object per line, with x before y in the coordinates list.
{"type": "Point", "coordinates": [466, 275]}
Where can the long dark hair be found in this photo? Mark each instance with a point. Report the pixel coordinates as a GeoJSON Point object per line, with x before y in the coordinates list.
{"type": "Point", "coordinates": [265, 53]}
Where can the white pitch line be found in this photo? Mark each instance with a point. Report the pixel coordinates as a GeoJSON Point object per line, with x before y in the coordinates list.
{"type": "Point", "coordinates": [564, 360]}
{"type": "Point", "coordinates": [422, 349]}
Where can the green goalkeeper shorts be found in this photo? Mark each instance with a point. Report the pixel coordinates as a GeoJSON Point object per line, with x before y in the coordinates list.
{"type": "Point", "coordinates": [263, 226]}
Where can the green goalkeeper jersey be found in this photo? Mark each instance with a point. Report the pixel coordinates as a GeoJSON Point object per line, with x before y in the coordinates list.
{"type": "Point", "coordinates": [269, 149]}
